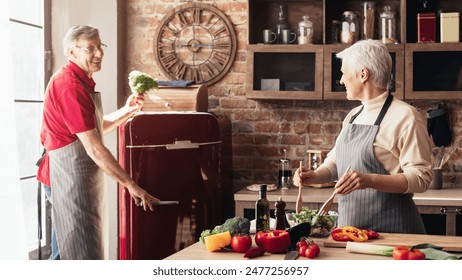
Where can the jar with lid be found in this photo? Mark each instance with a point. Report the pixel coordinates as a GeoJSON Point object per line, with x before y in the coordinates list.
{"type": "Point", "coordinates": [368, 19]}
{"type": "Point", "coordinates": [350, 28]}
{"type": "Point", "coordinates": [335, 27]}
{"type": "Point", "coordinates": [305, 31]}
{"type": "Point", "coordinates": [387, 26]}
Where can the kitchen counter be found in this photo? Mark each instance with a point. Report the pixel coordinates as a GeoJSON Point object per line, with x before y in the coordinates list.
{"type": "Point", "coordinates": [330, 249]}
{"type": "Point", "coordinates": [445, 201]}
{"type": "Point", "coordinates": [197, 251]}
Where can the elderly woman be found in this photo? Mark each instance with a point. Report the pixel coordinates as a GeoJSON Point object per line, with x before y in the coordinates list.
{"type": "Point", "coordinates": [384, 141]}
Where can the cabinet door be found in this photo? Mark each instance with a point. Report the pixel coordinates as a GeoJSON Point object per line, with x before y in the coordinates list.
{"type": "Point", "coordinates": [332, 74]}
{"type": "Point", "coordinates": [292, 72]}
{"type": "Point", "coordinates": [433, 71]}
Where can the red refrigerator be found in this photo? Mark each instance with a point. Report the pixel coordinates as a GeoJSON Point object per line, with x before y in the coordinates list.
{"type": "Point", "coordinates": [174, 156]}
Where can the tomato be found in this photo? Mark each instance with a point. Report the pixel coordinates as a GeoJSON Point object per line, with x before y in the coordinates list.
{"type": "Point", "coordinates": [312, 251]}
{"type": "Point", "coordinates": [259, 239]}
{"type": "Point", "coordinates": [302, 250]}
{"type": "Point", "coordinates": [301, 243]}
{"type": "Point", "coordinates": [407, 253]}
{"type": "Point", "coordinates": [241, 243]}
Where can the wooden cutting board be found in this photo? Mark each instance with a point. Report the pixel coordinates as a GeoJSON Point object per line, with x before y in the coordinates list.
{"type": "Point", "coordinates": [448, 243]}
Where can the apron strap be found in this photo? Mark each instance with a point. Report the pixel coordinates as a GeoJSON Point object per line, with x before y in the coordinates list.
{"type": "Point", "coordinates": [39, 221]}
{"type": "Point", "coordinates": [382, 113]}
{"type": "Point", "coordinates": [357, 114]}
{"type": "Point", "coordinates": [384, 110]}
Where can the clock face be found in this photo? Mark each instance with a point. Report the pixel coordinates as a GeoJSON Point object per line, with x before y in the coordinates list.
{"type": "Point", "coordinates": [195, 42]}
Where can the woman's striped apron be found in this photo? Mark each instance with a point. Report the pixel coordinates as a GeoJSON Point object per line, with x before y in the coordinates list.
{"type": "Point", "coordinates": [78, 198]}
{"type": "Point", "coordinates": [369, 208]}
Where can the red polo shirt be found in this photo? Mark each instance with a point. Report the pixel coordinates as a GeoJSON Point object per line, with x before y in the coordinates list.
{"type": "Point", "coordinates": [67, 110]}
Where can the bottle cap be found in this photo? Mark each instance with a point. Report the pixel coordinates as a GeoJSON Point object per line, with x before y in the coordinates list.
{"type": "Point", "coordinates": [263, 187]}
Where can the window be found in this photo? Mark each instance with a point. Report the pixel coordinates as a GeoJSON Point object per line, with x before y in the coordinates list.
{"type": "Point", "coordinates": [28, 26]}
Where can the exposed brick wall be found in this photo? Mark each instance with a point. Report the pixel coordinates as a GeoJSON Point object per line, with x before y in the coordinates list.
{"type": "Point", "coordinates": [260, 130]}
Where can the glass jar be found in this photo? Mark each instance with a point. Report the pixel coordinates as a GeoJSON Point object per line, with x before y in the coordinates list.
{"type": "Point", "coordinates": [350, 28]}
{"type": "Point", "coordinates": [388, 26]}
{"type": "Point", "coordinates": [368, 19]}
{"type": "Point", "coordinates": [335, 27]}
{"type": "Point", "coordinates": [305, 31]}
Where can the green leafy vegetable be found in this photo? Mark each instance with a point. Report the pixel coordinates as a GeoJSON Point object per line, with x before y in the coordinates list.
{"type": "Point", "coordinates": [141, 82]}
{"type": "Point", "coordinates": [236, 225]}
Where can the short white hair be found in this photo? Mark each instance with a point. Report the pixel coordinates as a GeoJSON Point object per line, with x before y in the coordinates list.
{"type": "Point", "coordinates": [370, 54]}
{"type": "Point", "coordinates": [75, 33]}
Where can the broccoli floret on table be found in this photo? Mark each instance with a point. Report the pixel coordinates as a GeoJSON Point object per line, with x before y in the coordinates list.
{"type": "Point", "coordinates": [236, 225]}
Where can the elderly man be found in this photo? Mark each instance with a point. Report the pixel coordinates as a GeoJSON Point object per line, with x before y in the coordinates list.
{"type": "Point", "coordinates": [72, 130]}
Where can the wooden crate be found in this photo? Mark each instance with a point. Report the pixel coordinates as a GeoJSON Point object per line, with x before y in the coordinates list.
{"type": "Point", "coordinates": [191, 98]}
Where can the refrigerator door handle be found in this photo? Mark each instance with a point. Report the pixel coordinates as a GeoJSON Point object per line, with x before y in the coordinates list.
{"type": "Point", "coordinates": [162, 202]}
{"type": "Point", "coordinates": [185, 144]}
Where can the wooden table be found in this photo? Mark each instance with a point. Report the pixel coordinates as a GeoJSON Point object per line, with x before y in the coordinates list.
{"type": "Point", "coordinates": [197, 251]}
{"type": "Point", "coordinates": [446, 201]}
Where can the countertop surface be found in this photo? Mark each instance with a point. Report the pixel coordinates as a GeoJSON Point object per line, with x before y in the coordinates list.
{"type": "Point", "coordinates": [441, 197]}
{"type": "Point", "coordinates": [198, 251]}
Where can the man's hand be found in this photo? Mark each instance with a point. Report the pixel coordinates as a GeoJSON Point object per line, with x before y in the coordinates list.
{"type": "Point", "coordinates": [134, 102]}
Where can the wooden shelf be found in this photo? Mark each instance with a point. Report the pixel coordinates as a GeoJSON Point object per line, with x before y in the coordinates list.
{"type": "Point", "coordinates": [418, 68]}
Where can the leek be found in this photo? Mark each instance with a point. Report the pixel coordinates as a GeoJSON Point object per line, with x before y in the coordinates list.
{"type": "Point", "coordinates": [431, 252]}
{"type": "Point", "coordinates": [371, 249]}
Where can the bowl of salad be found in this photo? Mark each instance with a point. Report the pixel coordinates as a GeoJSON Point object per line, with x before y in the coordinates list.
{"type": "Point", "coordinates": [321, 226]}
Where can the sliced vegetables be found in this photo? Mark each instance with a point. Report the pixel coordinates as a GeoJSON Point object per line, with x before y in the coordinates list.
{"type": "Point", "coordinates": [350, 233]}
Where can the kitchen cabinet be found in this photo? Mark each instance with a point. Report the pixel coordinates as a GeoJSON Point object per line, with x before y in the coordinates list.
{"type": "Point", "coordinates": [420, 70]}
{"type": "Point", "coordinates": [333, 90]}
{"type": "Point", "coordinates": [441, 209]}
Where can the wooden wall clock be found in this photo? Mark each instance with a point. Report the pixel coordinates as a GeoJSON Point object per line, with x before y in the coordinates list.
{"type": "Point", "coordinates": [196, 42]}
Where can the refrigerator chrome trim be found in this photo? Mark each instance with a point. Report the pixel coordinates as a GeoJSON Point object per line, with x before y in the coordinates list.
{"type": "Point", "coordinates": [172, 146]}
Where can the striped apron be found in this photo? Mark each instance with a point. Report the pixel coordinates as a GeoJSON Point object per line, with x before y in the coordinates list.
{"type": "Point", "coordinates": [369, 208]}
{"type": "Point", "coordinates": [78, 198]}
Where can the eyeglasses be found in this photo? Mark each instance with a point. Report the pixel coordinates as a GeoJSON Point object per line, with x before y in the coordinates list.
{"type": "Point", "coordinates": [92, 50]}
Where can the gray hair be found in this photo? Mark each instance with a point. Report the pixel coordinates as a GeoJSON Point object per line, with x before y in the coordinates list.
{"type": "Point", "coordinates": [370, 54]}
{"type": "Point", "coordinates": [75, 33]}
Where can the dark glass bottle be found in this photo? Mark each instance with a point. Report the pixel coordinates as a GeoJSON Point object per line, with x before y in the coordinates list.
{"type": "Point", "coordinates": [281, 24]}
{"type": "Point", "coordinates": [262, 211]}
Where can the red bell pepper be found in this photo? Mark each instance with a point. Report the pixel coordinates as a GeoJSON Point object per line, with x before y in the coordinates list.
{"type": "Point", "coordinates": [275, 241]}
{"type": "Point", "coordinates": [407, 253]}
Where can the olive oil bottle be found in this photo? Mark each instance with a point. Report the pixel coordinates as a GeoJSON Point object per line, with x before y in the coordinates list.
{"type": "Point", "coordinates": [262, 211]}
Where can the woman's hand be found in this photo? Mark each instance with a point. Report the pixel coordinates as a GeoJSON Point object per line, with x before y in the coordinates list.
{"type": "Point", "coordinates": [351, 181]}
{"type": "Point", "coordinates": [303, 176]}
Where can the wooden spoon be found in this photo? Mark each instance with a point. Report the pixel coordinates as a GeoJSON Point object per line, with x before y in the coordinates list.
{"type": "Point", "coordinates": [299, 204]}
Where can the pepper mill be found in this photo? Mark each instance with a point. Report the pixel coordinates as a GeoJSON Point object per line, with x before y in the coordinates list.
{"type": "Point", "coordinates": [279, 213]}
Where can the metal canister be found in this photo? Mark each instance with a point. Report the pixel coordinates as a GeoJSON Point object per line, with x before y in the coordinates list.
{"type": "Point", "coordinates": [426, 27]}
{"type": "Point", "coordinates": [449, 27]}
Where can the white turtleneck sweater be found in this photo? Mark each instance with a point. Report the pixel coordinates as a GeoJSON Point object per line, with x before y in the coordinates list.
{"type": "Point", "coordinates": [402, 144]}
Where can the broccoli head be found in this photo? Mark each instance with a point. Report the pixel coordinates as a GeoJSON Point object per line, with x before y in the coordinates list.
{"type": "Point", "coordinates": [236, 225]}
{"type": "Point", "coordinates": [141, 82]}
